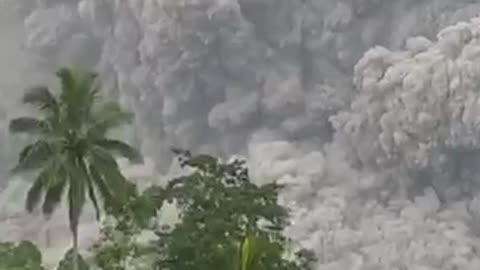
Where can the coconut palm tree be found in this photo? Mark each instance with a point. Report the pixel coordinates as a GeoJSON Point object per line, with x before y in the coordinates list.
{"type": "Point", "coordinates": [70, 152]}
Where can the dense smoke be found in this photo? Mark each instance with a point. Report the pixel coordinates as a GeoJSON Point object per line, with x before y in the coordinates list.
{"type": "Point", "coordinates": [377, 145]}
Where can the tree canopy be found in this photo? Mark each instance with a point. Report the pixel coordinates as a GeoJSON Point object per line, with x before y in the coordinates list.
{"type": "Point", "coordinates": [219, 207]}
{"type": "Point", "coordinates": [70, 151]}
{"type": "Point", "coordinates": [21, 256]}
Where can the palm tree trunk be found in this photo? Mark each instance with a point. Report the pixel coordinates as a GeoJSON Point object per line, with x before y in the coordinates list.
{"type": "Point", "coordinates": [75, 248]}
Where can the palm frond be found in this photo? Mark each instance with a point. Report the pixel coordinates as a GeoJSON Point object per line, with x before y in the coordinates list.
{"type": "Point", "coordinates": [56, 186]}
{"type": "Point", "coordinates": [28, 125]}
{"type": "Point", "coordinates": [90, 187]}
{"type": "Point", "coordinates": [36, 191]}
{"type": "Point", "coordinates": [108, 169]}
{"type": "Point", "coordinates": [100, 156]}
{"type": "Point", "coordinates": [71, 152]}
{"type": "Point", "coordinates": [34, 156]}
{"type": "Point", "coordinates": [93, 98]}
{"type": "Point", "coordinates": [41, 97]}
{"type": "Point", "coordinates": [88, 86]}
{"type": "Point", "coordinates": [25, 151]}
{"type": "Point", "coordinates": [88, 93]}
{"type": "Point", "coordinates": [108, 116]}
{"type": "Point", "coordinates": [76, 195]}
{"type": "Point", "coordinates": [104, 190]}
{"type": "Point", "coordinates": [93, 198]}
{"type": "Point", "coordinates": [115, 180]}
{"type": "Point", "coordinates": [68, 86]}
{"type": "Point", "coordinates": [71, 97]}
{"type": "Point", "coordinates": [117, 147]}
{"type": "Point", "coordinates": [79, 95]}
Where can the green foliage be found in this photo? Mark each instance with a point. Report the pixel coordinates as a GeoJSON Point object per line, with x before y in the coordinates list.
{"type": "Point", "coordinates": [226, 222]}
{"type": "Point", "coordinates": [219, 207]}
{"type": "Point", "coordinates": [117, 246]}
{"type": "Point", "coordinates": [21, 256]}
{"type": "Point", "coordinates": [70, 152]}
{"type": "Point", "coordinates": [67, 262]}
{"type": "Point", "coordinates": [69, 143]}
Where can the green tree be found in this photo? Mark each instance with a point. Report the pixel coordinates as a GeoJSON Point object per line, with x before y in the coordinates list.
{"type": "Point", "coordinates": [21, 256]}
{"type": "Point", "coordinates": [71, 152]}
{"type": "Point", "coordinates": [118, 245]}
{"type": "Point", "coordinates": [219, 207]}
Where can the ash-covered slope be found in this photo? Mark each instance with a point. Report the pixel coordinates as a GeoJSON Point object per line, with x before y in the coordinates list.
{"type": "Point", "coordinates": [369, 142]}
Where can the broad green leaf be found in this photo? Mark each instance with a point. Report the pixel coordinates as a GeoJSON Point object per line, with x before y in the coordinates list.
{"type": "Point", "coordinates": [248, 253]}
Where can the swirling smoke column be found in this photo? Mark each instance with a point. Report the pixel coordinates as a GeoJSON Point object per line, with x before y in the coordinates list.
{"type": "Point", "coordinates": [362, 139]}
{"type": "Point", "coordinates": [207, 75]}
{"type": "Point", "coordinates": [411, 110]}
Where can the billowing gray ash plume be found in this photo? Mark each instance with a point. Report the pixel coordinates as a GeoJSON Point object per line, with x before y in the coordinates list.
{"type": "Point", "coordinates": [209, 74]}
{"type": "Point", "coordinates": [371, 141]}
